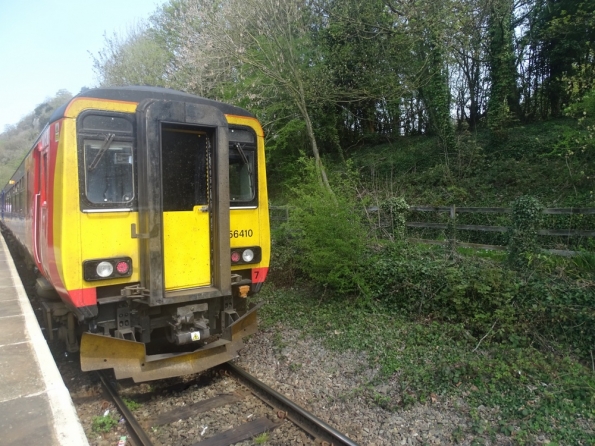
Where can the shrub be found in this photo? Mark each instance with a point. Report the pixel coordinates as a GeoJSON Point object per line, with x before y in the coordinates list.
{"type": "Point", "coordinates": [469, 290]}
{"type": "Point", "coordinates": [326, 234]}
{"type": "Point", "coordinates": [512, 306]}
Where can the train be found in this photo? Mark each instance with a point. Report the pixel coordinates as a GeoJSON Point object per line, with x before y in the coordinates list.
{"type": "Point", "coordinates": [145, 212]}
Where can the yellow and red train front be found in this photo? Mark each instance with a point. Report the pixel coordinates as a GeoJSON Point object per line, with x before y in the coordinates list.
{"type": "Point", "coordinates": [65, 235]}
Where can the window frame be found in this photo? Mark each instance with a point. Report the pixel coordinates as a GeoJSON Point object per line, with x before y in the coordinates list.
{"type": "Point", "coordinates": [129, 137]}
{"type": "Point", "coordinates": [253, 148]}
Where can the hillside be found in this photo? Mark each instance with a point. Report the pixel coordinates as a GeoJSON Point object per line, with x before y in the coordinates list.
{"type": "Point", "coordinates": [540, 159]}
{"type": "Point", "coordinates": [16, 140]}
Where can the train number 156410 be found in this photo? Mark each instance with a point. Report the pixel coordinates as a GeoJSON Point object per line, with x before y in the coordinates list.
{"type": "Point", "coordinates": [239, 233]}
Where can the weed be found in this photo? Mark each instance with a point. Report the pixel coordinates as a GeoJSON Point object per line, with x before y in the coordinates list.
{"type": "Point", "coordinates": [132, 405]}
{"type": "Point", "coordinates": [458, 434]}
{"type": "Point", "coordinates": [103, 423]}
{"type": "Point", "coordinates": [262, 438]}
{"type": "Point", "coordinates": [382, 400]}
{"type": "Point", "coordinates": [278, 342]}
{"type": "Point", "coordinates": [294, 366]}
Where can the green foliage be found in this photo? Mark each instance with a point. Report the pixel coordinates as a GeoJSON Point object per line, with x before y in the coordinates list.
{"type": "Point", "coordinates": [327, 235]}
{"type": "Point", "coordinates": [564, 33]}
{"type": "Point", "coordinates": [134, 59]}
{"type": "Point", "coordinates": [414, 168]}
{"type": "Point", "coordinates": [522, 237]}
{"type": "Point", "coordinates": [397, 209]}
{"type": "Point", "coordinates": [425, 283]}
{"type": "Point", "coordinates": [103, 423]}
{"type": "Point", "coordinates": [17, 140]}
{"type": "Point", "coordinates": [529, 392]}
{"type": "Point", "coordinates": [505, 305]}
{"type": "Point", "coordinates": [131, 404]}
{"type": "Point", "coordinates": [503, 98]}
{"type": "Point", "coordinates": [285, 147]}
{"type": "Point", "coordinates": [262, 438]}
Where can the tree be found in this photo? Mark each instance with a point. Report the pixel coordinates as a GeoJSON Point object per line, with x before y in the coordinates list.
{"type": "Point", "coordinates": [504, 96]}
{"type": "Point", "coordinates": [133, 59]}
{"type": "Point", "coordinates": [271, 41]}
{"type": "Point", "coordinates": [469, 70]}
{"type": "Point", "coordinates": [17, 139]}
{"type": "Point", "coordinates": [366, 56]}
{"type": "Point", "coordinates": [431, 22]}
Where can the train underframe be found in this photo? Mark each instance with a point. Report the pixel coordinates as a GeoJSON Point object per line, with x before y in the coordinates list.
{"type": "Point", "coordinates": [147, 343]}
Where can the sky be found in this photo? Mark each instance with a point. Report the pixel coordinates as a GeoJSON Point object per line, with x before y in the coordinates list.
{"type": "Point", "coordinates": [47, 46]}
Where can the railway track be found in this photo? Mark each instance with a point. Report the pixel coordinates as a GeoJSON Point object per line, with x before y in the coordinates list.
{"type": "Point", "coordinates": [280, 410]}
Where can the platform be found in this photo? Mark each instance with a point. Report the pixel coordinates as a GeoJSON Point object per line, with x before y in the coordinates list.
{"type": "Point", "coordinates": [35, 406]}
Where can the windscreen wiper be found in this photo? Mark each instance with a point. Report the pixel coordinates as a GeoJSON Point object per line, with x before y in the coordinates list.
{"type": "Point", "coordinates": [243, 156]}
{"type": "Point", "coordinates": [108, 140]}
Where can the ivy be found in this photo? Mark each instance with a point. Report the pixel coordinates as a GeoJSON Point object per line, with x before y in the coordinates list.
{"type": "Point", "coordinates": [522, 235]}
{"type": "Point", "coordinates": [397, 208]}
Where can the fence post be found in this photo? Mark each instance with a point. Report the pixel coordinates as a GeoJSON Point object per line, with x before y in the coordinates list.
{"type": "Point", "coordinates": [452, 229]}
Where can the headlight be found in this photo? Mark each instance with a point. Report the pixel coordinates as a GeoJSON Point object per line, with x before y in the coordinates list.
{"type": "Point", "coordinates": [248, 255]}
{"type": "Point", "coordinates": [104, 269]}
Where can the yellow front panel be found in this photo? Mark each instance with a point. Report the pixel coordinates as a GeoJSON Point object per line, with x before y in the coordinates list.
{"type": "Point", "coordinates": [244, 228]}
{"type": "Point", "coordinates": [187, 249]}
{"type": "Point", "coordinates": [81, 236]}
{"type": "Point", "coordinates": [107, 235]}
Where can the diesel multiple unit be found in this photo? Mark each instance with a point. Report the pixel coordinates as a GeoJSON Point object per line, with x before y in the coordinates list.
{"type": "Point", "coordinates": [145, 212]}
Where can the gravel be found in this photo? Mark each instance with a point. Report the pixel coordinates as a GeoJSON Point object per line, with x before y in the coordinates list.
{"type": "Point", "coordinates": [336, 388]}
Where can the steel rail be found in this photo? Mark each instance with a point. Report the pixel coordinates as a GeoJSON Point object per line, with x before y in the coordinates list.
{"type": "Point", "coordinates": [139, 436]}
{"type": "Point", "coordinates": [301, 417]}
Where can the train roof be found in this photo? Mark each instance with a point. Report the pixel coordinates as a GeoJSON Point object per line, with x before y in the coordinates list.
{"type": "Point", "coordinates": [138, 93]}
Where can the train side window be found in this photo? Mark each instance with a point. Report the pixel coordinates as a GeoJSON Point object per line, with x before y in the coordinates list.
{"type": "Point", "coordinates": [108, 171]}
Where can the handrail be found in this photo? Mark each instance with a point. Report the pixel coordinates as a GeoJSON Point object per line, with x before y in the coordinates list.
{"type": "Point", "coordinates": [36, 234]}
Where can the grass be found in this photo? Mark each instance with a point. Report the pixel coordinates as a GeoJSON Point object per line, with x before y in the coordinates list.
{"type": "Point", "coordinates": [531, 392]}
{"type": "Point", "coordinates": [483, 173]}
